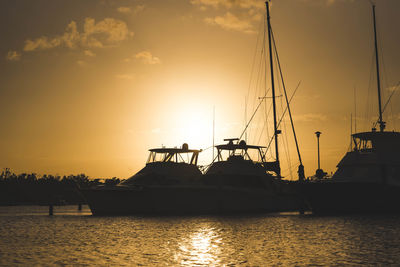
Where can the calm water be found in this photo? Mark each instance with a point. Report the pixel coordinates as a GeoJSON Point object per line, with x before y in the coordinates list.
{"type": "Point", "coordinates": [28, 236]}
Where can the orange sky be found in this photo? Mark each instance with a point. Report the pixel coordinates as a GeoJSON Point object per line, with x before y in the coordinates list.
{"type": "Point", "coordinates": [89, 86]}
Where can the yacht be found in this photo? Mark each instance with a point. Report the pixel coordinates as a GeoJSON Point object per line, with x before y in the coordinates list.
{"type": "Point", "coordinates": [245, 181]}
{"type": "Point", "coordinates": [169, 183]}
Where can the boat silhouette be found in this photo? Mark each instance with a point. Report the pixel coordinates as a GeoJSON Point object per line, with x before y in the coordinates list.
{"type": "Point", "coordinates": [170, 183]}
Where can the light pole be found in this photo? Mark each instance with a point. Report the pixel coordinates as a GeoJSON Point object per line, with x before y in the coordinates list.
{"type": "Point", "coordinates": [319, 173]}
{"type": "Point", "coordinates": [318, 134]}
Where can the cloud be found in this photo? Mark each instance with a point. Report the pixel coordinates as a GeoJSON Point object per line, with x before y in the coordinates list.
{"type": "Point", "coordinates": [325, 2]}
{"type": "Point", "coordinates": [124, 76]}
{"type": "Point", "coordinates": [239, 14]}
{"type": "Point", "coordinates": [124, 10]}
{"type": "Point", "coordinates": [81, 63]}
{"type": "Point", "coordinates": [138, 8]}
{"type": "Point", "coordinates": [147, 58]}
{"type": "Point", "coordinates": [310, 117]}
{"type": "Point", "coordinates": [107, 32]}
{"type": "Point", "coordinates": [89, 53]}
{"type": "Point", "coordinates": [231, 22]}
{"type": "Point", "coordinates": [245, 4]}
{"type": "Point", "coordinates": [129, 10]}
{"type": "Point", "coordinates": [13, 56]}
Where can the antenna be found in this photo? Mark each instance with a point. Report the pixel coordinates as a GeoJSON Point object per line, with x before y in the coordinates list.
{"type": "Point", "coordinates": [245, 117]}
{"type": "Point", "coordinates": [351, 128]}
{"type": "Point", "coordinates": [355, 110]}
{"type": "Point", "coordinates": [213, 143]}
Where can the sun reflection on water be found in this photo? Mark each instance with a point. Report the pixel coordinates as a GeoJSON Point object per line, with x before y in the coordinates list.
{"type": "Point", "coordinates": [202, 247]}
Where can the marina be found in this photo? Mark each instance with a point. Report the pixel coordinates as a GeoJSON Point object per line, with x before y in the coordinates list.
{"type": "Point", "coordinates": [174, 133]}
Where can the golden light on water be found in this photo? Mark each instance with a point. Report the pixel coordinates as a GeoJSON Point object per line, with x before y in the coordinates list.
{"type": "Point", "coordinates": [202, 247]}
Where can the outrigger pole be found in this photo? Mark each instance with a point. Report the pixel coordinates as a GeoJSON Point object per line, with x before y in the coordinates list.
{"type": "Point", "coordinates": [276, 131]}
{"type": "Point", "coordinates": [378, 80]}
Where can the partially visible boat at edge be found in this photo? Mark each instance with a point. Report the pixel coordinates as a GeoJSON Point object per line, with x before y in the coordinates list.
{"type": "Point", "coordinates": [367, 179]}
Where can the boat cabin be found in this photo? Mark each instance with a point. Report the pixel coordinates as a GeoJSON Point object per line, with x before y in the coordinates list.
{"type": "Point", "coordinates": [374, 158]}
{"type": "Point", "coordinates": [168, 167]}
{"type": "Point", "coordinates": [374, 141]}
{"type": "Point", "coordinates": [177, 155]}
{"type": "Point", "coordinates": [240, 151]}
{"type": "Point", "coordinates": [239, 165]}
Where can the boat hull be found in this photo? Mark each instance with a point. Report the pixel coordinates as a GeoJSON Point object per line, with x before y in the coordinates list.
{"type": "Point", "coordinates": [185, 200]}
{"type": "Point", "coordinates": [351, 197]}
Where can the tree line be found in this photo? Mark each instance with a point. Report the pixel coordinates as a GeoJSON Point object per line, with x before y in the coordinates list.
{"type": "Point", "coordinates": [34, 189]}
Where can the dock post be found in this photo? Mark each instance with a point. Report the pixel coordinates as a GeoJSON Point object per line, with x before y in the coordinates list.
{"type": "Point", "coordinates": [51, 210]}
{"type": "Point", "coordinates": [80, 206]}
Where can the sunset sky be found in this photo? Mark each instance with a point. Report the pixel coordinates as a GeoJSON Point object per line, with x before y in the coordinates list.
{"type": "Point", "coordinates": [89, 86]}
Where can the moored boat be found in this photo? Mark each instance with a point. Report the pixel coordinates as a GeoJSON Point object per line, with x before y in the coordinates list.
{"type": "Point", "coordinates": [246, 181]}
{"type": "Point", "coordinates": [169, 183]}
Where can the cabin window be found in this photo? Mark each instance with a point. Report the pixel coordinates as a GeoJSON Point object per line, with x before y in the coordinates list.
{"type": "Point", "coordinates": [172, 157]}
{"type": "Point", "coordinates": [362, 145]}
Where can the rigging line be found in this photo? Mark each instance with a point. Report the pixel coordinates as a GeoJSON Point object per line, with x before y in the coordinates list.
{"type": "Point", "coordinates": [252, 116]}
{"type": "Point", "coordinates": [387, 102]}
{"type": "Point", "coordinates": [284, 112]}
{"type": "Point", "coordinates": [258, 79]}
{"type": "Point", "coordinates": [368, 106]}
{"type": "Point", "coordinates": [265, 125]}
{"type": "Point", "coordinates": [287, 102]}
{"type": "Point", "coordinates": [393, 117]}
{"type": "Point", "coordinates": [287, 149]}
{"type": "Point", "coordinates": [260, 85]}
{"type": "Point", "coordinates": [253, 63]}
{"type": "Point", "coordinates": [285, 138]}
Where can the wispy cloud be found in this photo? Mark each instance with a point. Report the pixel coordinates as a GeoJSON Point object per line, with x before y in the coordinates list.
{"type": "Point", "coordinates": [246, 4]}
{"type": "Point", "coordinates": [130, 10]}
{"type": "Point", "coordinates": [89, 53]}
{"type": "Point", "coordinates": [138, 8]}
{"type": "Point", "coordinates": [124, 9]}
{"type": "Point", "coordinates": [325, 2]}
{"type": "Point", "coordinates": [147, 58]}
{"type": "Point", "coordinates": [231, 22]}
{"type": "Point", "coordinates": [310, 117]}
{"type": "Point", "coordinates": [13, 56]}
{"type": "Point", "coordinates": [81, 63]}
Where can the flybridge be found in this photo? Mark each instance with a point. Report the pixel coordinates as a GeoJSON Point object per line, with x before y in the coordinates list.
{"type": "Point", "coordinates": [239, 151]}
{"type": "Point", "coordinates": [174, 155]}
{"type": "Point", "coordinates": [370, 141]}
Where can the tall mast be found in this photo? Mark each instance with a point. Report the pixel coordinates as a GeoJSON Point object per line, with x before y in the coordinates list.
{"type": "Point", "coordinates": [276, 131]}
{"type": "Point", "coordinates": [378, 80]}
